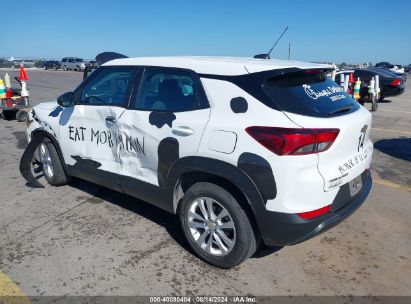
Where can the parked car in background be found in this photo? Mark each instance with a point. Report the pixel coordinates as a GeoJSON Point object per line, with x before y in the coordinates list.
{"type": "Point", "coordinates": [51, 65]}
{"type": "Point", "coordinates": [15, 64]}
{"type": "Point", "coordinates": [73, 63]}
{"type": "Point", "coordinates": [4, 63]}
{"type": "Point", "coordinates": [390, 84]}
{"type": "Point", "coordinates": [391, 72]}
{"type": "Point", "coordinates": [91, 63]}
{"type": "Point", "coordinates": [392, 67]}
{"type": "Point", "coordinates": [28, 63]}
{"type": "Point", "coordinates": [383, 64]}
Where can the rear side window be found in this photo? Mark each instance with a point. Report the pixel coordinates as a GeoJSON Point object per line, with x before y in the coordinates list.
{"type": "Point", "coordinates": [167, 90]}
{"type": "Point", "coordinates": [309, 93]}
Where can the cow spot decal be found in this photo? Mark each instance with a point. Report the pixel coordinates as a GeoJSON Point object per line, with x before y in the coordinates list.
{"type": "Point", "coordinates": [159, 119]}
{"type": "Point", "coordinates": [168, 154]}
{"type": "Point", "coordinates": [259, 170]}
{"type": "Point", "coordinates": [239, 105]}
{"type": "Point", "coordinates": [85, 163]}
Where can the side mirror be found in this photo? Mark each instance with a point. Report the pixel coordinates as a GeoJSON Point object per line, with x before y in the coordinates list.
{"type": "Point", "coordinates": [66, 100]}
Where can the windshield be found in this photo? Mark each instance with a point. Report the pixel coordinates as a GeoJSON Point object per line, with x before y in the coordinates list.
{"type": "Point", "coordinates": [309, 93]}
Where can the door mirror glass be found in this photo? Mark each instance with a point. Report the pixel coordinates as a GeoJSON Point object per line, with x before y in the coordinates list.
{"type": "Point", "coordinates": [66, 100]}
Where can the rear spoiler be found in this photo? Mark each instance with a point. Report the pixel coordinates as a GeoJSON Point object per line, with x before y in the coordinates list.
{"type": "Point", "coordinates": [261, 77]}
{"type": "Point", "coordinates": [108, 56]}
{"type": "Point", "coordinates": [101, 59]}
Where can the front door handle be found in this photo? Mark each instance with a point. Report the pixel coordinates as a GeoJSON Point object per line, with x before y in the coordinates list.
{"type": "Point", "coordinates": [110, 119]}
{"type": "Point", "coordinates": [182, 131]}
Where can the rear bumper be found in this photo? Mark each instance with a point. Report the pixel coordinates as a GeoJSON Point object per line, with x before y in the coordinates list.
{"type": "Point", "coordinates": [280, 229]}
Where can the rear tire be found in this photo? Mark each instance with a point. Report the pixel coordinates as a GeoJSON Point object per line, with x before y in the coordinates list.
{"type": "Point", "coordinates": [224, 236]}
{"type": "Point", "coordinates": [52, 167]}
{"type": "Point", "coordinates": [9, 114]}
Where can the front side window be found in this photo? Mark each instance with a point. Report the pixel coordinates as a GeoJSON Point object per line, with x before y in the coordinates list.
{"type": "Point", "coordinates": [166, 90]}
{"type": "Point", "coordinates": [109, 86]}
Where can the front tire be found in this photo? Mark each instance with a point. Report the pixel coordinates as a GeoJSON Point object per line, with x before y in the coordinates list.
{"type": "Point", "coordinates": [216, 226]}
{"type": "Point", "coordinates": [21, 116]}
{"type": "Point", "coordinates": [52, 167]}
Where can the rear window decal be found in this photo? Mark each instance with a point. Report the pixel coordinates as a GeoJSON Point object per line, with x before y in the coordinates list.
{"type": "Point", "coordinates": [324, 92]}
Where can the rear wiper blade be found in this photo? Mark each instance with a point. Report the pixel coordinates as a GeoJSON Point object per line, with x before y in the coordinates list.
{"type": "Point", "coordinates": [343, 109]}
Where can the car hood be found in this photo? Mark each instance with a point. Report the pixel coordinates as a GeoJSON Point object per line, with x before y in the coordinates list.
{"type": "Point", "coordinates": [50, 105]}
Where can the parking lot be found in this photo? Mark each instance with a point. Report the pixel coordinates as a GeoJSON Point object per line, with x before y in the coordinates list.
{"type": "Point", "coordinates": [83, 239]}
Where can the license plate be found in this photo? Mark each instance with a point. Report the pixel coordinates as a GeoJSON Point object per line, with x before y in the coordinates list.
{"type": "Point", "coordinates": [355, 185]}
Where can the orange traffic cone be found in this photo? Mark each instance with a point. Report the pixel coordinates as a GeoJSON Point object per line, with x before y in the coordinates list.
{"type": "Point", "coordinates": [23, 76]}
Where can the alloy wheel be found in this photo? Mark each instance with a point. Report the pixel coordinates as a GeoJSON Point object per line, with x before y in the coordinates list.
{"type": "Point", "coordinates": [211, 226]}
{"type": "Point", "coordinates": [46, 162]}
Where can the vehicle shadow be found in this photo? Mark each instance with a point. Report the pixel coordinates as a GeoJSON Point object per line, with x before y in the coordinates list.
{"type": "Point", "coordinates": [21, 139]}
{"type": "Point", "coordinates": [385, 101]}
{"type": "Point", "coordinates": [169, 221]}
{"type": "Point", "coordinates": [396, 147]}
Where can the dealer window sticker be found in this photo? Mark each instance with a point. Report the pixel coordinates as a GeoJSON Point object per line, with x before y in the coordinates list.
{"type": "Point", "coordinates": [327, 92]}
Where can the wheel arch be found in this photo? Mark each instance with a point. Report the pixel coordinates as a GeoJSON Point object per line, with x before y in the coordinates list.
{"type": "Point", "coordinates": [188, 171]}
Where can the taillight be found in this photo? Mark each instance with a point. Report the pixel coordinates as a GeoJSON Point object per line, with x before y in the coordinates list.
{"type": "Point", "coordinates": [395, 82]}
{"type": "Point", "coordinates": [283, 141]}
{"type": "Point", "coordinates": [314, 213]}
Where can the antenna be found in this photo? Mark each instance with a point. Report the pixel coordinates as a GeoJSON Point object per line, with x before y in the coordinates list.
{"type": "Point", "coordinates": [289, 50]}
{"type": "Point", "coordinates": [269, 52]}
{"type": "Point", "coordinates": [267, 56]}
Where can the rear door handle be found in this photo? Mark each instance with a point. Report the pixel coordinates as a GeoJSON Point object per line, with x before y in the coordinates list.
{"type": "Point", "coordinates": [110, 119]}
{"type": "Point", "coordinates": [182, 131]}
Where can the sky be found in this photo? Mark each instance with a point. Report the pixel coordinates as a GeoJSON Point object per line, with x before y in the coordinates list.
{"type": "Point", "coordinates": [324, 31]}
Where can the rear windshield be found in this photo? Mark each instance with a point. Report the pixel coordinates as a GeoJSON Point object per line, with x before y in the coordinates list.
{"type": "Point", "coordinates": [309, 93]}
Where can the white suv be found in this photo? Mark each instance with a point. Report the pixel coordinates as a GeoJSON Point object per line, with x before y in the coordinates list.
{"type": "Point", "coordinates": [243, 150]}
{"type": "Point", "coordinates": [72, 63]}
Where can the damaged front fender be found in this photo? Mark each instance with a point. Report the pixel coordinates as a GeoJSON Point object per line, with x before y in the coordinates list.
{"type": "Point", "coordinates": [27, 160]}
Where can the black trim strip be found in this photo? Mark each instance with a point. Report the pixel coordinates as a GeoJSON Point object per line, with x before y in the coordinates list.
{"type": "Point", "coordinates": [252, 83]}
